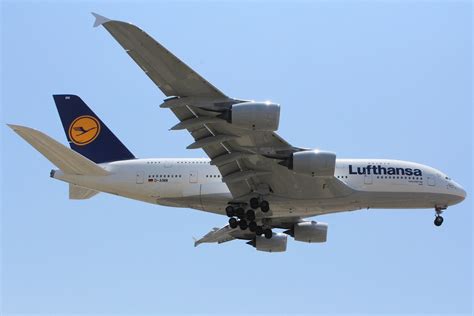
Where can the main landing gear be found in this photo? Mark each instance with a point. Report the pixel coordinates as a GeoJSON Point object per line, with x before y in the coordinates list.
{"type": "Point", "coordinates": [438, 221]}
{"type": "Point", "coordinates": [243, 219]}
{"type": "Point", "coordinates": [255, 204]}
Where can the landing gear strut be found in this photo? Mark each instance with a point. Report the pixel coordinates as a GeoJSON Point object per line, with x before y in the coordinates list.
{"type": "Point", "coordinates": [438, 221]}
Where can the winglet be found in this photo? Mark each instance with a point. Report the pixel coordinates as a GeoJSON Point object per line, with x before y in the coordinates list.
{"type": "Point", "coordinates": [99, 19]}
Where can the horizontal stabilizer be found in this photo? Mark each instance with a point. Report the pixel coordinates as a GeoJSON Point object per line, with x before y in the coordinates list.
{"type": "Point", "coordinates": [66, 159]}
{"type": "Point", "coordinates": [218, 235]}
{"type": "Point", "coordinates": [80, 193]}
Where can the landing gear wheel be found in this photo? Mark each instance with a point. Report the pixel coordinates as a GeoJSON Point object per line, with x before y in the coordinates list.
{"type": "Point", "coordinates": [233, 222]}
{"type": "Point", "coordinates": [229, 210]}
{"type": "Point", "coordinates": [240, 212]}
{"type": "Point", "coordinates": [265, 206]}
{"type": "Point", "coordinates": [254, 203]}
{"type": "Point", "coordinates": [243, 224]}
{"type": "Point", "coordinates": [253, 226]}
{"type": "Point", "coordinates": [438, 220]}
{"type": "Point", "coordinates": [250, 215]}
{"type": "Point", "coordinates": [259, 230]}
{"type": "Point", "coordinates": [268, 233]}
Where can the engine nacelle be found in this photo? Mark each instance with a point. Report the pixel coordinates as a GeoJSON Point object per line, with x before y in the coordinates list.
{"type": "Point", "coordinates": [309, 231]}
{"type": "Point", "coordinates": [276, 244]}
{"type": "Point", "coordinates": [314, 163]}
{"type": "Point", "coordinates": [256, 116]}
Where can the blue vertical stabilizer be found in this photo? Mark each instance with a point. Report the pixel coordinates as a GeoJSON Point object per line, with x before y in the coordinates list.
{"type": "Point", "coordinates": [86, 133]}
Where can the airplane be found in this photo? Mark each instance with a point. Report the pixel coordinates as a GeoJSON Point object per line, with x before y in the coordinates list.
{"type": "Point", "coordinates": [251, 175]}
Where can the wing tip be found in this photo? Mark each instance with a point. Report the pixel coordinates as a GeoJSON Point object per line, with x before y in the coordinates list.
{"type": "Point", "coordinates": [17, 128]}
{"type": "Point", "coordinates": [196, 243]}
{"type": "Point", "coordinates": [99, 19]}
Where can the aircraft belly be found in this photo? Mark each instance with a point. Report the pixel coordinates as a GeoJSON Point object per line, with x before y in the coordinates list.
{"type": "Point", "coordinates": [405, 200]}
{"type": "Point", "coordinates": [301, 187]}
{"type": "Point", "coordinates": [281, 207]}
{"type": "Point", "coordinates": [210, 197]}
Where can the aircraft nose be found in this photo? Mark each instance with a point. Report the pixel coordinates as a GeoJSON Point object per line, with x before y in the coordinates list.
{"type": "Point", "coordinates": [460, 192]}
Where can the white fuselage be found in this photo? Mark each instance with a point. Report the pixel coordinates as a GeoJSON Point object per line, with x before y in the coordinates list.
{"type": "Point", "coordinates": [194, 183]}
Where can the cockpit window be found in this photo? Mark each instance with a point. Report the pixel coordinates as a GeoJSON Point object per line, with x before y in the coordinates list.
{"type": "Point", "coordinates": [447, 178]}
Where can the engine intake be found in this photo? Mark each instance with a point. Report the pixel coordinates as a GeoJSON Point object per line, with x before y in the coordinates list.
{"type": "Point", "coordinates": [309, 231]}
{"type": "Point", "coordinates": [256, 116]}
{"type": "Point", "coordinates": [312, 162]}
{"type": "Point", "coordinates": [276, 244]}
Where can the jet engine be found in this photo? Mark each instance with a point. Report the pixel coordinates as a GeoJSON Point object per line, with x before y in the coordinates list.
{"type": "Point", "coordinates": [309, 231]}
{"type": "Point", "coordinates": [256, 116]}
{"type": "Point", "coordinates": [312, 162]}
{"type": "Point", "coordinates": [276, 244]}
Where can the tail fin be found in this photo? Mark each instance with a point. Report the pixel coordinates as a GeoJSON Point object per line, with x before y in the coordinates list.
{"type": "Point", "coordinates": [86, 133]}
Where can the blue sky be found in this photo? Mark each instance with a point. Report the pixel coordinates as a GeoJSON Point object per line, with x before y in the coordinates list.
{"type": "Point", "coordinates": [373, 79]}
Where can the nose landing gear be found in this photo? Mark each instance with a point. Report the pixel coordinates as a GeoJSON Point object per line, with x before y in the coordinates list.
{"type": "Point", "coordinates": [438, 221]}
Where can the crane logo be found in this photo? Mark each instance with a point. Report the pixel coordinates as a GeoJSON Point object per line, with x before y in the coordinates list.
{"type": "Point", "coordinates": [84, 130]}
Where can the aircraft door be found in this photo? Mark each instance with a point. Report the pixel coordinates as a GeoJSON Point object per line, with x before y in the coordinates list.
{"type": "Point", "coordinates": [140, 176]}
{"type": "Point", "coordinates": [193, 177]}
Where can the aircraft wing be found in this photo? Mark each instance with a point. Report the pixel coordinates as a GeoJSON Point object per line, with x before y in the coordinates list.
{"type": "Point", "coordinates": [170, 74]}
{"type": "Point", "coordinates": [248, 160]}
